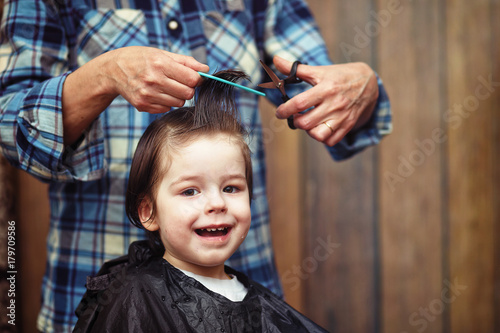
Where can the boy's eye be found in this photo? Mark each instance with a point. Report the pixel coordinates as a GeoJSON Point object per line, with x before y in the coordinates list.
{"type": "Point", "coordinates": [230, 189]}
{"type": "Point", "coordinates": [190, 192]}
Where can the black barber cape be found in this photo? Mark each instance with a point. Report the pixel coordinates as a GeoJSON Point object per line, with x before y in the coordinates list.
{"type": "Point", "coordinates": [144, 293]}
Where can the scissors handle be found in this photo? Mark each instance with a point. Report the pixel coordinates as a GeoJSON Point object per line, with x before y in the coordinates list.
{"type": "Point", "coordinates": [291, 79]}
{"type": "Point", "coordinates": [289, 119]}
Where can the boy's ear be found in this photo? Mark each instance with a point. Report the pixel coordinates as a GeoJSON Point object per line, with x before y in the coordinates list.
{"type": "Point", "coordinates": [145, 212]}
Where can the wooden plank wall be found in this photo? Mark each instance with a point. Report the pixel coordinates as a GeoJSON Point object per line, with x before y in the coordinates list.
{"type": "Point", "coordinates": [415, 219]}
{"type": "Point", "coordinates": [33, 214]}
{"type": "Point", "coordinates": [411, 178]}
{"type": "Point", "coordinates": [340, 209]}
{"type": "Point", "coordinates": [400, 238]}
{"type": "Point", "coordinates": [473, 151]}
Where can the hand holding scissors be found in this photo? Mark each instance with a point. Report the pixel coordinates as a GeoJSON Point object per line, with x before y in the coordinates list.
{"type": "Point", "coordinates": [343, 98]}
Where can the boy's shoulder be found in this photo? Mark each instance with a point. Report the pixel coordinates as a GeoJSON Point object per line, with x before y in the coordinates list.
{"type": "Point", "coordinates": [117, 276]}
{"type": "Point", "coordinates": [273, 309]}
{"type": "Point", "coordinates": [117, 292]}
{"type": "Point", "coordinates": [139, 260]}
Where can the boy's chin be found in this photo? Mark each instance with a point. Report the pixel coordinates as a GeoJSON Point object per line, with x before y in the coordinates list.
{"type": "Point", "coordinates": [213, 263]}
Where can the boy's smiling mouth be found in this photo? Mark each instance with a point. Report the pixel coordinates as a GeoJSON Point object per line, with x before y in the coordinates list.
{"type": "Point", "coordinates": [213, 232]}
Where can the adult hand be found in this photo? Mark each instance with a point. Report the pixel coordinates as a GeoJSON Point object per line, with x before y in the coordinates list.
{"type": "Point", "coordinates": [343, 96]}
{"type": "Point", "coordinates": [150, 79]}
{"type": "Point", "coordinates": [153, 80]}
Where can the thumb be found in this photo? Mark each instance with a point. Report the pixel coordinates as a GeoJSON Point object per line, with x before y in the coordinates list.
{"type": "Point", "coordinates": [304, 72]}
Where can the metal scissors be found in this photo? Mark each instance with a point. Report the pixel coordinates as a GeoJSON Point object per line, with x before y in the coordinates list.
{"type": "Point", "coordinates": [280, 84]}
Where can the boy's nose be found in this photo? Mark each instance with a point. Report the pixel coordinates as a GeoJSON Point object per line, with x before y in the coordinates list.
{"type": "Point", "coordinates": [215, 203]}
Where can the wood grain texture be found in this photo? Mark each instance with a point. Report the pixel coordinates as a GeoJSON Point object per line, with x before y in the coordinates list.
{"type": "Point", "coordinates": [339, 261]}
{"type": "Point", "coordinates": [8, 244]}
{"type": "Point", "coordinates": [410, 169]}
{"type": "Point", "coordinates": [283, 161]}
{"type": "Point", "coordinates": [471, 91]}
{"type": "Point", "coordinates": [495, 55]}
{"type": "Point", "coordinates": [33, 213]}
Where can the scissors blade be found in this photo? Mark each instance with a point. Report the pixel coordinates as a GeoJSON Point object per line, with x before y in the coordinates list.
{"type": "Point", "coordinates": [277, 82]}
{"type": "Point", "coordinates": [268, 85]}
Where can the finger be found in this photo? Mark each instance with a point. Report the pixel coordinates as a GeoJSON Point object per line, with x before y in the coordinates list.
{"type": "Point", "coordinates": [301, 102]}
{"type": "Point", "coordinates": [156, 109]}
{"type": "Point", "coordinates": [182, 74]}
{"type": "Point", "coordinates": [323, 131]}
{"type": "Point", "coordinates": [176, 89]}
{"type": "Point", "coordinates": [304, 72]}
{"type": "Point", "coordinates": [158, 105]}
{"type": "Point", "coordinates": [190, 62]}
{"type": "Point", "coordinates": [336, 137]}
{"type": "Point", "coordinates": [328, 133]}
{"type": "Point", "coordinates": [169, 101]}
{"type": "Point", "coordinates": [183, 69]}
{"type": "Point", "coordinates": [319, 114]}
{"type": "Point", "coordinates": [148, 98]}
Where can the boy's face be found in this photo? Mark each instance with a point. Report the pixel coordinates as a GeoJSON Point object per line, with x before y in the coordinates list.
{"type": "Point", "coordinates": [203, 209]}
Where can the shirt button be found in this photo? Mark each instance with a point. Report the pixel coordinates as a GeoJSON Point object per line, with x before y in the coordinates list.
{"type": "Point", "coordinates": [173, 25]}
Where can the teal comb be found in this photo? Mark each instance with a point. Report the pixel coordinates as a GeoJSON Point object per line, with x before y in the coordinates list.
{"type": "Point", "coordinates": [231, 83]}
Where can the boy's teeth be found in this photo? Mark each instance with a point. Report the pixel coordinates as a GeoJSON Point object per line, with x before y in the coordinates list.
{"type": "Point", "coordinates": [215, 229]}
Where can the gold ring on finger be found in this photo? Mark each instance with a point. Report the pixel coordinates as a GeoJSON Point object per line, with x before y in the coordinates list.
{"type": "Point", "coordinates": [328, 125]}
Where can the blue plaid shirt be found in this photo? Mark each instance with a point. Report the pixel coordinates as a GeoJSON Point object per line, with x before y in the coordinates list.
{"type": "Point", "coordinates": [43, 41]}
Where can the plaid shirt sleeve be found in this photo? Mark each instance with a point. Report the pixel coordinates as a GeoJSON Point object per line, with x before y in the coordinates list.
{"type": "Point", "coordinates": [292, 33]}
{"type": "Point", "coordinates": [33, 58]}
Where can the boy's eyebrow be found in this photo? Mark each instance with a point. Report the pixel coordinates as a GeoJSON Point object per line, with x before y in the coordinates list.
{"type": "Point", "coordinates": [184, 179]}
{"type": "Point", "coordinates": [196, 177]}
{"type": "Point", "coordinates": [236, 175]}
